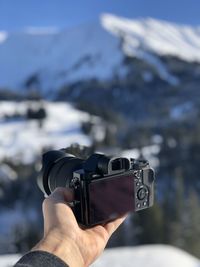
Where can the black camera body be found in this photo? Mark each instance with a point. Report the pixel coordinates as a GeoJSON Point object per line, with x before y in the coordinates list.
{"type": "Point", "coordinates": [104, 188]}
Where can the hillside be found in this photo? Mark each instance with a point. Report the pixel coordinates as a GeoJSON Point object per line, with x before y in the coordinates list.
{"type": "Point", "coordinates": [23, 139]}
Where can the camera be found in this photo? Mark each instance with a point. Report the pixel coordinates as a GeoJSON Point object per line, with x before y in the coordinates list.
{"type": "Point", "coordinates": [104, 187]}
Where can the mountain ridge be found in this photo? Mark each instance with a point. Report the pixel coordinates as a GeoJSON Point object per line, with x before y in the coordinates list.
{"type": "Point", "coordinates": [49, 60]}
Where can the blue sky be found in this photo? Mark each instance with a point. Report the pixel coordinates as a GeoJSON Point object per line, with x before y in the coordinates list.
{"type": "Point", "coordinates": [19, 14]}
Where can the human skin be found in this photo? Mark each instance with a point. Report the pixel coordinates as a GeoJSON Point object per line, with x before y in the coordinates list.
{"type": "Point", "coordinates": [63, 237]}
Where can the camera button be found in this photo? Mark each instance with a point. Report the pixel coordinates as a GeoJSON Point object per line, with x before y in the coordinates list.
{"type": "Point", "coordinates": [142, 192]}
{"type": "Point", "coordinates": [138, 174]}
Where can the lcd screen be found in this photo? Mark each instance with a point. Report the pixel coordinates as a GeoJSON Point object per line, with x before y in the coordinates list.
{"type": "Point", "coordinates": [111, 198]}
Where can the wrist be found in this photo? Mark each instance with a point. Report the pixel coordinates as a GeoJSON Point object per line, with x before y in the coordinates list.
{"type": "Point", "coordinates": [64, 248]}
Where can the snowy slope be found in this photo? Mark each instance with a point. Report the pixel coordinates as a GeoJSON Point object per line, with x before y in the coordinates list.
{"type": "Point", "coordinates": [147, 256]}
{"type": "Point", "coordinates": [160, 37]}
{"type": "Point", "coordinates": [8, 260]}
{"type": "Point", "coordinates": [149, 152]}
{"type": "Point", "coordinates": [58, 57]}
{"type": "Point", "coordinates": [22, 140]}
{"type": "Point", "coordinates": [93, 50]}
{"type": "Point", "coordinates": [144, 256]}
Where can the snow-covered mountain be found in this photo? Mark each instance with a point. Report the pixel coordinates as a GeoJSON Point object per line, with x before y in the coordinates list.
{"type": "Point", "coordinates": [49, 59]}
{"type": "Point", "coordinates": [57, 57]}
{"type": "Point", "coordinates": [143, 256]}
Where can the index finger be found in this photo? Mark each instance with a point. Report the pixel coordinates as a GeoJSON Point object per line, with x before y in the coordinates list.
{"type": "Point", "coordinates": [62, 194]}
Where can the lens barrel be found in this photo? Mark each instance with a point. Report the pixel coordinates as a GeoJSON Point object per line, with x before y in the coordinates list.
{"type": "Point", "coordinates": [57, 170]}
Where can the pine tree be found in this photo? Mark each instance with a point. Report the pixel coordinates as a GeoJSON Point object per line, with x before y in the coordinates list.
{"type": "Point", "coordinates": [150, 222]}
{"type": "Point", "coordinates": [176, 221]}
{"type": "Point", "coordinates": [191, 220]}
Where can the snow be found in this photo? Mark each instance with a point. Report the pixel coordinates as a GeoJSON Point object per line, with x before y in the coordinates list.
{"type": "Point", "coordinates": [155, 62]}
{"type": "Point", "coordinates": [11, 218]}
{"type": "Point", "coordinates": [3, 36]}
{"type": "Point", "coordinates": [148, 152]}
{"type": "Point", "coordinates": [7, 174]}
{"type": "Point", "coordinates": [147, 76]}
{"type": "Point", "coordinates": [147, 256]}
{"type": "Point", "coordinates": [8, 260]}
{"type": "Point", "coordinates": [157, 36]}
{"type": "Point", "coordinates": [15, 222]}
{"type": "Point", "coordinates": [23, 140]}
{"type": "Point", "coordinates": [143, 256]}
{"type": "Point", "coordinates": [58, 57]}
{"type": "Point", "coordinates": [180, 111]}
{"type": "Point", "coordinates": [93, 50]}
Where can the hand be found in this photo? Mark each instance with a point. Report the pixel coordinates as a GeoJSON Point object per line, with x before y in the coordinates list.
{"type": "Point", "coordinates": [65, 238]}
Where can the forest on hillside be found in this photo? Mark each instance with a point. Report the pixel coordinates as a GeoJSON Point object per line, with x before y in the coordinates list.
{"type": "Point", "coordinates": [174, 219]}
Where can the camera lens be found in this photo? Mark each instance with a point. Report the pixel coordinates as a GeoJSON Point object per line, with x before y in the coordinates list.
{"type": "Point", "coordinates": [57, 170]}
{"type": "Point", "coordinates": [142, 192]}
